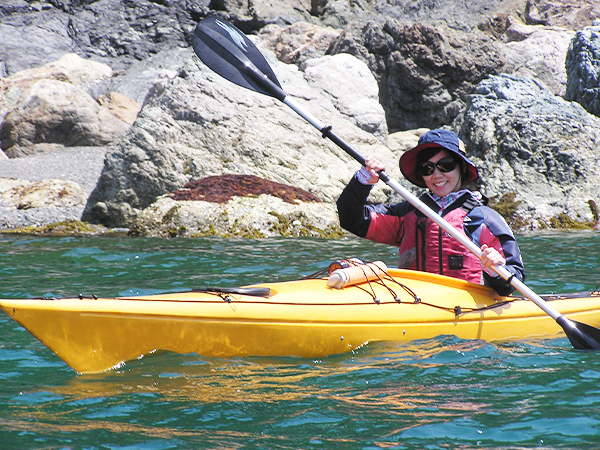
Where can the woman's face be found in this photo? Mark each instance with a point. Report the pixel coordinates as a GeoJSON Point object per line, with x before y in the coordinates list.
{"type": "Point", "coordinates": [443, 183]}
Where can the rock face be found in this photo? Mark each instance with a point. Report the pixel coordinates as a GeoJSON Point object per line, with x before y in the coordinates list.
{"type": "Point", "coordinates": [357, 99]}
{"type": "Point", "coordinates": [456, 14]}
{"type": "Point", "coordinates": [298, 42]}
{"type": "Point", "coordinates": [424, 76]}
{"type": "Point", "coordinates": [583, 69]}
{"type": "Point", "coordinates": [199, 124]}
{"type": "Point", "coordinates": [366, 68]}
{"type": "Point", "coordinates": [535, 51]}
{"type": "Point", "coordinates": [527, 141]}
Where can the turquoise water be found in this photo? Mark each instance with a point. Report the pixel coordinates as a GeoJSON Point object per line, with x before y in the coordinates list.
{"type": "Point", "coordinates": [442, 393]}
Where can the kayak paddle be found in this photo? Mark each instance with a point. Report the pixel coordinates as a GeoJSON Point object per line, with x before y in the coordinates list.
{"type": "Point", "coordinates": [229, 53]}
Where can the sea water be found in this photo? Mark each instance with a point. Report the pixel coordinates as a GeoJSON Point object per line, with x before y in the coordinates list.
{"type": "Point", "coordinates": [442, 393]}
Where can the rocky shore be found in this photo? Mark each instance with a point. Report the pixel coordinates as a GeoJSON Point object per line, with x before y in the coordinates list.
{"type": "Point", "coordinates": [107, 115]}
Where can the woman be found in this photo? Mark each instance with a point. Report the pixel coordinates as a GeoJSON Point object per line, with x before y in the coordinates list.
{"type": "Point", "coordinates": [439, 163]}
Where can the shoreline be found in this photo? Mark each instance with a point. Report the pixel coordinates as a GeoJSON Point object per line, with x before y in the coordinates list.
{"type": "Point", "coordinates": [85, 229]}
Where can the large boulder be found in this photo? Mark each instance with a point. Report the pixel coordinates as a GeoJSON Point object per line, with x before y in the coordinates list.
{"type": "Point", "coordinates": [583, 69]}
{"type": "Point", "coordinates": [529, 142]}
{"type": "Point", "coordinates": [57, 112]}
{"type": "Point", "coordinates": [70, 68]}
{"type": "Point", "coordinates": [241, 217]}
{"type": "Point", "coordinates": [199, 124]}
{"type": "Point", "coordinates": [23, 194]}
{"type": "Point", "coordinates": [49, 105]}
{"type": "Point", "coordinates": [238, 206]}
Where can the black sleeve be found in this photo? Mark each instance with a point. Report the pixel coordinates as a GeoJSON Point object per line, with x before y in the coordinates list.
{"type": "Point", "coordinates": [512, 254]}
{"type": "Point", "coordinates": [353, 214]}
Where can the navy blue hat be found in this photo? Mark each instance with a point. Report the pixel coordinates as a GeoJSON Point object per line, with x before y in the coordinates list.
{"type": "Point", "coordinates": [435, 138]}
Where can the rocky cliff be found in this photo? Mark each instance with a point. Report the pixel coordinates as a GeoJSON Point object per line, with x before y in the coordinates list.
{"type": "Point", "coordinates": [516, 79]}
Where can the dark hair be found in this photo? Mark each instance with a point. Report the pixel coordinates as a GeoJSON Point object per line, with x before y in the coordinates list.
{"type": "Point", "coordinates": [427, 153]}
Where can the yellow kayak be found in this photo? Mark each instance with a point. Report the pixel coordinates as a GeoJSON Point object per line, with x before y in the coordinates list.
{"type": "Point", "coordinates": [305, 318]}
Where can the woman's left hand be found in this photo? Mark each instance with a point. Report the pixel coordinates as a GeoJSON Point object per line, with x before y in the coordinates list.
{"type": "Point", "coordinates": [491, 257]}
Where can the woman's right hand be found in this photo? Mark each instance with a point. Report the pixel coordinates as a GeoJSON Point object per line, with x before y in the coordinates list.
{"type": "Point", "coordinates": [373, 166]}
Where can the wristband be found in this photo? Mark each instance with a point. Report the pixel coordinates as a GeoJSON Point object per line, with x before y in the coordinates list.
{"type": "Point", "coordinates": [363, 175]}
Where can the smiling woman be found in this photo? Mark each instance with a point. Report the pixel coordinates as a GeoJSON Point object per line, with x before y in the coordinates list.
{"type": "Point", "coordinates": [439, 163]}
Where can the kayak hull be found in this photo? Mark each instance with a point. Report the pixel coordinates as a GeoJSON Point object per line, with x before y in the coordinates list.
{"type": "Point", "coordinates": [302, 318]}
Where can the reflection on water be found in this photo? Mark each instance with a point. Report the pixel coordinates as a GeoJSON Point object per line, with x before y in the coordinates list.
{"type": "Point", "coordinates": [444, 387]}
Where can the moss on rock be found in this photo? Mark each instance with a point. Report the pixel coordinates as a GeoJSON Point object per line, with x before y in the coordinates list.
{"type": "Point", "coordinates": [67, 227]}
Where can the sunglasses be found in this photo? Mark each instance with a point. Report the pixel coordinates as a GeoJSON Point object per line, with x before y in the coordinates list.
{"type": "Point", "coordinates": [444, 165]}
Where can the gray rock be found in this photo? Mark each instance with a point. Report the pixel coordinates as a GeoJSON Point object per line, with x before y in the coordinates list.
{"type": "Point", "coordinates": [453, 13]}
{"type": "Point", "coordinates": [570, 14]}
{"type": "Point", "coordinates": [527, 141]}
{"type": "Point", "coordinates": [299, 42]}
{"type": "Point", "coordinates": [178, 140]}
{"type": "Point", "coordinates": [57, 112]}
{"type": "Point", "coordinates": [24, 203]}
{"type": "Point", "coordinates": [198, 124]}
{"type": "Point", "coordinates": [51, 192]}
{"type": "Point", "coordinates": [356, 97]}
{"type": "Point", "coordinates": [139, 35]}
{"type": "Point", "coordinates": [583, 69]}
{"type": "Point", "coordinates": [245, 217]}
{"type": "Point", "coordinates": [251, 15]}
{"type": "Point", "coordinates": [35, 103]}
{"type": "Point", "coordinates": [31, 38]}
{"type": "Point", "coordinates": [539, 52]}
{"type": "Point", "coordinates": [458, 14]}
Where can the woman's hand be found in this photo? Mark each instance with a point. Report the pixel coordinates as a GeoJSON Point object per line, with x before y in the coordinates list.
{"type": "Point", "coordinates": [373, 166]}
{"type": "Point", "coordinates": [491, 257]}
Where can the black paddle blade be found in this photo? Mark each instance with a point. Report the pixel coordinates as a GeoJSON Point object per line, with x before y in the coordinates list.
{"type": "Point", "coordinates": [582, 336]}
{"type": "Point", "coordinates": [228, 52]}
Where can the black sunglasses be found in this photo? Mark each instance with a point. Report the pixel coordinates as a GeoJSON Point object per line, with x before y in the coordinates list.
{"type": "Point", "coordinates": [444, 165]}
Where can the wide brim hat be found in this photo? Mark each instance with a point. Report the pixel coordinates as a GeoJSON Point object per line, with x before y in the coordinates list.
{"type": "Point", "coordinates": [436, 138]}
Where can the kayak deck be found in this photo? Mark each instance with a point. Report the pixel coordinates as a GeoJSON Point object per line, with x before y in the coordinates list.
{"type": "Point", "coordinates": [302, 318]}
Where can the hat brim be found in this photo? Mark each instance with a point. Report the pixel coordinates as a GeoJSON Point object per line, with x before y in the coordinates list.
{"type": "Point", "coordinates": [408, 164]}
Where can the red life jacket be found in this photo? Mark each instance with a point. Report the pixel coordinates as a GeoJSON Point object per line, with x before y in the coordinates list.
{"type": "Point", "coordinates": [427, 247]}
